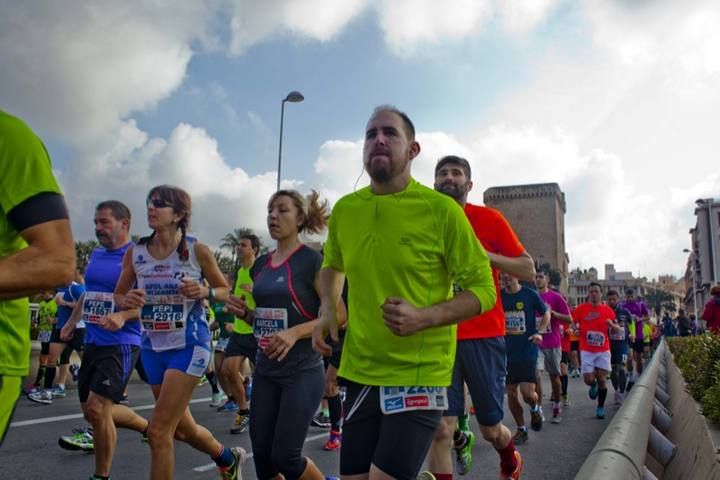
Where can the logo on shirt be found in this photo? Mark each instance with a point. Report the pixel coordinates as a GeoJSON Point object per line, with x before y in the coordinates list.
{"type": "Point", "coordinates": [140, 260]}
{"type": "Point", "coordinates": [405, 241]}
{"type": "Point", "coordinates": [280, 279]}
{"type": "Point", "coordinates": [520, 305]}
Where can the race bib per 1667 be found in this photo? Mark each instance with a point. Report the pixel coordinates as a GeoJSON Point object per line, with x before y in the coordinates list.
{"type": "Point", "coordinates": [97, 305]}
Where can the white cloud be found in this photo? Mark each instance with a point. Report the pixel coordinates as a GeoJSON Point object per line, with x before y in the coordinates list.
{"type": "Point", "coordinates": [520, 16]}
{"type": "Point", "coordinates": [253, 21]}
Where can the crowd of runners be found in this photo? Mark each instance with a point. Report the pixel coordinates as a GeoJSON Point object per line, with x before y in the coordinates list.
{"type": "Point", "coordinates": [421, 311]}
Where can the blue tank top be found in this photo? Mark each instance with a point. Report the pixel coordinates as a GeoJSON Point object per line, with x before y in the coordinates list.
{"type": "Point", "coordinates": [101, 276]}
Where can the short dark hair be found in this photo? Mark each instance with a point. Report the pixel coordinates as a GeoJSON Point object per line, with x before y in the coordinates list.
{"type": "Point", "coordinates": [612, 292]}
{"type": "Point", "coordinates": [629, 291]}
{"type": "Point", "coordinates": [595, 284]}
{"type": "Point", "coordinates": [409, 127]}
{"type": "Point", "coordinates": [119, 210]}
{"type": "Point", "coordinates": [254, 241]}
{"type": "Point", "coordinates": [454, 159]}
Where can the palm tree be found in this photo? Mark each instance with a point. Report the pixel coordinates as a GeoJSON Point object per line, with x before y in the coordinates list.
{"type": "Point", "coordinates": [83, 251]}
{"type": "Point", "coordinates": [232, 240]}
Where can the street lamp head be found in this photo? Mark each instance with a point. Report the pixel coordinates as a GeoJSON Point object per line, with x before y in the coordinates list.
{"type": "Point", "coordinates": [685, 250]}
{"type": "Point", "coordinates": [294, 97]}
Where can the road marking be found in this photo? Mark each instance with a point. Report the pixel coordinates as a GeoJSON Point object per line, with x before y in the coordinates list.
{"type": "Point", "coordinates": [75, 416]}
{"type": "Point", "coordinates": [212, 466]}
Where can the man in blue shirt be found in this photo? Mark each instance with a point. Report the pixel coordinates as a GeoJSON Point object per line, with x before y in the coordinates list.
{"type": "Point", "coordinates": [521, 305]}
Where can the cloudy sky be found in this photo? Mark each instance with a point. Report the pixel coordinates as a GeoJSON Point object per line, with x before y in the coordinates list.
{"type": "Point", "coordinates": [616, 101]}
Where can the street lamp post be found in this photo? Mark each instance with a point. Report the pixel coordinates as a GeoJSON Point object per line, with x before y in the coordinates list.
{"type": "Point", "coordinates": [293, 97]}
{"type": "Point", "coordinates": [694, 284]}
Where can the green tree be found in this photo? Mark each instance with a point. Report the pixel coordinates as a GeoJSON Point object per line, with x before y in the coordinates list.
{"type": "Point", "coordinates": [658, 300]}
{"type": "Point", "coordinates": [83, 251]}
{"type": "Point", "coordinates": [225, 263]}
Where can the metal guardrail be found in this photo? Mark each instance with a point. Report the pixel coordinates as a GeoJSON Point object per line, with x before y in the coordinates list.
{"type": "Point", "coordinates": [622, 448]}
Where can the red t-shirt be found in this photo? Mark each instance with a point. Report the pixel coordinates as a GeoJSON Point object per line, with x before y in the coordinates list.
{"type": "Point", "coordinates": [711, 314]}
{"type": "Point", "coordinates": [593, 325]}
{"type": "Point", "coordinates": [565, 339]}
{"type": "Point", "coordinates": [497, 236]}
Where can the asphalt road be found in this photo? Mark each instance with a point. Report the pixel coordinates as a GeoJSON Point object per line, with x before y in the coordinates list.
{"type": "Point", "coordinates": [30, 449]}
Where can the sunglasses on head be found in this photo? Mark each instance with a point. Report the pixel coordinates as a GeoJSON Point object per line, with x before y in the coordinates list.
{"type": "Point", "coordinates": [158, 203]}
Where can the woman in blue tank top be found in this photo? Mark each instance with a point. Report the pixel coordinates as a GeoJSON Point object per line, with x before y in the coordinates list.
{"type": "Point", "coordinates": [161, 284]}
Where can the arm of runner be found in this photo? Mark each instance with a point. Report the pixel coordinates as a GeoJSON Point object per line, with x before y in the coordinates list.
{"type": "Point", "coordinates": [218, 286]}
{"type": "Point", "coordinates": [404, 319]}
{"type": "Point", "coordinates": [116, 320]}
{"type": "Point", "coordinates": [522, 267]}
{"type": "Point", "coordinates": [280, 343]}
{"type": "Point", "coordinates": [47, 262]}
{"type": "Point", "coordinates": [544, 321]}
{"type": "Point", "coordinates": [125, 298]}
{"type": "Point", "coordinates": [66, 333]}
{"type": "Point", "coordinates": [331, 284]}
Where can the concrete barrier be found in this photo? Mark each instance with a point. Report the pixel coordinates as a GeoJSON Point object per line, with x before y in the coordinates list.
{"type": "Point", "coordinates": [696, 456]}
{"type": "Point", "coordinates": [622, 449]}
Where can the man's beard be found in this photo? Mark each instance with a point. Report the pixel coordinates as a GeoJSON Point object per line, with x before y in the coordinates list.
{"type": "Point", "coordinates": [379, 174]}
{"type": "Point", "coordinates": [104, 240]}
{"type": "Point", "coordinates": [451, 190]}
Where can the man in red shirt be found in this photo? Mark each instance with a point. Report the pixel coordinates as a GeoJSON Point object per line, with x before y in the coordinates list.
{"type": "Point", "coordinates": [594, 319]}
{"type": "Point", "coordinates": [480, 361]}
{"type": "Point", "coordinates": [711, 313]}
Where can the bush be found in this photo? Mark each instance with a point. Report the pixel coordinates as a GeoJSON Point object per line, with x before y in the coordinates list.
{"type": "Point", "coordinates": [699, 360]}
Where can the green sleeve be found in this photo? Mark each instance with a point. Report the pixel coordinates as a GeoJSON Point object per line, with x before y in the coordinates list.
{"type": "Point", "coordinates": [332, 256]}
{"type": "Point", "coordinates": [467, 260]}
{"type": "Point", "coordinates": [26, 167]}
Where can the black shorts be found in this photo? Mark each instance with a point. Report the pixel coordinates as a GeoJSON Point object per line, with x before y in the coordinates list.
{"type": "Point", "coordinates": [638, 345]}
{"type": "Point", "coordinates": [44, 348]}
{"type": "Point", "coordinates": [397, 444]}
{"type": "Point", "coordinates": [106, 370]}
{"type": "Point", "coordinates": [521, 372]}
{"type": "Point", "coordinates": [575, 345]}
{"type": "Point", "coordinates": [76, 343]}
{"type": "Point", "coordinates": [242, 344]}
{"type": "Point", "coordinates": [565, 358]}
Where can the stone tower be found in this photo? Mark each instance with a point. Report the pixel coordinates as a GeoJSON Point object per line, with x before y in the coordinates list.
{"type": "Point", "coordinates": [537, 214]}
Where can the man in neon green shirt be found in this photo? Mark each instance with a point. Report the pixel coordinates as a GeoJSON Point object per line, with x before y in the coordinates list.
{"type": "Point", "coordinates": [242, 343]}
{"type": "Point", "coordinates": [36, 248]}
{"type": "Point", "coordinates": [401, 246]}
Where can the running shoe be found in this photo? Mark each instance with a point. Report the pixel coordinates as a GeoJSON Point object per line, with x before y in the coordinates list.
{"type": "Point", "coordinates": [425, 475]}
{"type": "Point", "coordinates": [81, 439]}
{"type": "Point", "coordinates": [234, 472]}
{"type": "Point", "coordinates": [515, 475]}
{"type": "Point", "coordinates": [593, 392]}
{"type": "Point", "coordinates": [125, 400]}
{"type": "Point", "coordinates": [43, 396]}
{"type": "Point", "coordinates": [241, 423]}
{"type": "Point", "coordinates": [536, 420]}
{"type": "Point", "coordinates": [218, 399]}
{"type": "Point", "coordinates": [58, 392]}
{"type": "Point", "coordinates": [202, 381]}
{"type": "Point", "coordinates": [622, 397]}
{"type": "Point", "coordinates": [566, 401]}
{"type": "Point", "coordinates": [230, 406]}
{"type": "Point", "coordinates": [556, 418]}
{"type": "Point", "coordinates": [616, 398]}
{"type": "Point", "coordinates": [321, 420]}
{"type": "Point", "coordinates": [520, 437]}
{"type": "Point", "coordinates": [463, 455]}
{"type": "Point", "coordinates": [30, 389]}
{"type": "Point", "coordinates": [334, 442]}
{"type": "Point", "coordinates": [74, 371]}
{"type": "Point", "coordinates": [600, 413]}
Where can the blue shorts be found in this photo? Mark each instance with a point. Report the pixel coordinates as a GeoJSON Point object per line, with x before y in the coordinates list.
{"type": "Point", "coordinates": [481, 364]}
{"type": "Point", "coordinates": [618, 353]}
{"type": "Point", "coordinates": [192, 360]}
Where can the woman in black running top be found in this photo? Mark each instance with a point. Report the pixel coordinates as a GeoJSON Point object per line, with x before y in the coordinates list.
{"type": "Point", "coordinates": [288, 382]}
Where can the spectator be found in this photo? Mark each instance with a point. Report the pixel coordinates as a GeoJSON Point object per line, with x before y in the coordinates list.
{"type": "Point", "coordinates": [711, 313]}
{"type": "Point", "coordinates": [683, 323]}
{"type": "Point", "coordinates": [668, 328]}
{"type": "Point", "coordinates": [693, 324]}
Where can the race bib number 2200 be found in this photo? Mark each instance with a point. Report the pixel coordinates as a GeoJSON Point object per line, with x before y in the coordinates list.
{"type": "Point", "coordinates": [405, 399]}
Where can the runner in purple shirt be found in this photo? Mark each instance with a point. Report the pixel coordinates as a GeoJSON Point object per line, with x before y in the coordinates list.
{"type": "Point", "coordinates": [640, 313]}
{"type": "Point", "coordinates": [550, 347]}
